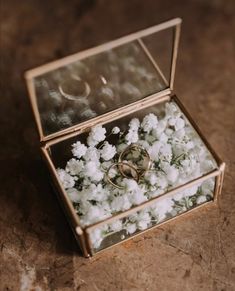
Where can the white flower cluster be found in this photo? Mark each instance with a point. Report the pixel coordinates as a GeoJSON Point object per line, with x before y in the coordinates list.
{"type": "Point", "coordinates": [162, 210]}
{"type": "Point", "coordinates": [178, 156]}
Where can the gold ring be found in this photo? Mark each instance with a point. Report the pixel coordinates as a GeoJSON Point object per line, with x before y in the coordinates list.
{"type": "Point", "coordinates": [141, 170]}
{"type": "Point", "coordinates": [120, 165]}
{"type": "Point", "coordinates": [66, 85]}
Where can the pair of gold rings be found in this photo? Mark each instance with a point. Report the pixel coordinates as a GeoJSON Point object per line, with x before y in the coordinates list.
{"type": "Point", "coordinates": [133, 162]}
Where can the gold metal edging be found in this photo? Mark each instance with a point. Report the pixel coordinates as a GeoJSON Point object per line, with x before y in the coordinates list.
{"type": "Point", "coordinates": [101, 48]}
{"type": "Point", "coordinates": [29, 75]}
{"type": "Point", "coordinates": [220, 181]}
{"type": "Point", "coordinates": [83, 242]}
{"type": "Point", "coordinates": [122, 111]}
{"type": "Point", "coordinates": [33, 103]}
{"type": "Point", "coordinates": [174, 54]}
{"type": "Point", "coordinates": [114, 115]}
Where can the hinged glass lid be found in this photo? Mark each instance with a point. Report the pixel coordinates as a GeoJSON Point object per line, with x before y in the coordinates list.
{"type": "Point", "coordinates": [68, 93]}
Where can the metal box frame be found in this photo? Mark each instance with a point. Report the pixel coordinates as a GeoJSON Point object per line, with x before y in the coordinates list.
{"type": "Point", "coordinates": [82, 234]}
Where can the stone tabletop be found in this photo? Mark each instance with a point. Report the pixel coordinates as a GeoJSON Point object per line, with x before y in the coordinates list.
{"type": "Point", "coordinates": [38, 250]}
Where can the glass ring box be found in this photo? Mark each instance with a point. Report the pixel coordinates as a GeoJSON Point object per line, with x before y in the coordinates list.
{"type": "Point", "coordinates": [124, 154]}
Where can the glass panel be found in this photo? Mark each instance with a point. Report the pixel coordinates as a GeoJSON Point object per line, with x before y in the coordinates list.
{"type": "Point", "coordinates": [162, 210]}
{"type": "Point", "coordinates": [103, 82]}
{"type": "Point", "coordinates": [158, 150]}
{"type": "Point", "coordinates": [159, 46]}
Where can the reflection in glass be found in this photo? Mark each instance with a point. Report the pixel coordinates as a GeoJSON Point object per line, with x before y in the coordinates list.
{"type": "Point", "coordinates": [96, 85]}
{"type": "Point", "coordinates": [162, 210]}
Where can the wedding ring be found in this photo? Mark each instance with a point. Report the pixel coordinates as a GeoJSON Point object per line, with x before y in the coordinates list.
{"type": "Point", "coordinates": [74, 88]}
{"type": "Point", "coordinates": [124, 167]}
{"type": "Point", "coordinates": [141, 169]}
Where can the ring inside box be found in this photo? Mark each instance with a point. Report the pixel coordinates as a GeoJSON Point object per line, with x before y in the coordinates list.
{"type": "Point", "coordinates": [178, 156]}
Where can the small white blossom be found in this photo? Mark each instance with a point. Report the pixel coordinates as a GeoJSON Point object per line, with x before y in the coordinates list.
{"type": "Point", "coordinates": [78, 149]}
{"type": "Point", "coordinates": [108, 151]}
{"type": "Point", "coordinates": [120, 203]}
{"type": "Point", "coordinates": [152, 178]}
{"type": "Point", "coordinates": [180, 123]}
{"type": "Point", "coordinates": [154, 150]}
{"type": "Point", "coordinates": [166, 152]}
{"type": "Point", "coordinates": [172, 174]}
{"type": "Point", "coordinates": [95, 213]}
{"type": "Point", "coordinates": [66, 180]}
{"type": "Point", "coordinates": [116, 226]}
{"type": "Point", "coordinates": [96, 237]}
{"type": "Point", "coordinates": [130, 184]}
{"type": "Point", "coordinates": [137, 197]}
{"type": "Point", "coordinates": [74, 167]}
{"type": "Point", "coordinates": [201, 199]}
{"type": "Point", "coordinates": [208, 186]}
{"type": "Point", "coordinates": [92, 154]}
{"type": "Point", "coordinates": [163, 138]}
{"type": "Point", "coordinates": [115, 130]}
{"type": "Point", "coordinates": [134, 124]}
{"type": "Point", "coordinates": [171, 110]}
{"type": "Point", "coordinates": [132, 137]}
{"type": "Point", "coordinates": [143, 220]}
{"type": "Point", "coordinates": [74, 195]}
{"type": "Point", "coordinates": [131, 228]}
{"type": "Point", "coordinates": [162, 207]}
{"type": "Point", "coordinates": [93, 172]}
{"type": "Point", "coordinates": [96, 135]}
{"type": "Point", "coordinates": [97, 193]}
{"type": "Point", "coordinates": [149, 122]}
{"type": "Point", "coordinates": [161, 126]}
{"type": "Point", "coordinates": [179, 133]}
{"type": "Point", "coordinates": [162, 182]}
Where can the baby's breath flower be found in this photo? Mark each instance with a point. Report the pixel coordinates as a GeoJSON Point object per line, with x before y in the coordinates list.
{"type": "Point", "coordinates": [74, 167]}
{"type": "Point", "coordinates": [116, 226]}
{"type": "Point", "coordinates": [93, 172]}
{"type": "Point", "coordinates": [134, 124]}
{"type": "Point", "coordinates": [180, 123]}
{"type": "Point", "coordinates": [161, 208]}
{"type": "Point", "coordinates": [132, 137]}
{"type": "Point", "coordinates": [74, 195]}
{"type": "Point", "coordinates": [131, 228]}
{"type": "Point", "coordinates": [108, 151]}
{"type": "Point", "coordinates": [115, 130]}
{"type": "Point", "coordinates": [120, 203]}
{"type": "Point", "coordinates": [172, 174]}
{"type": "Point", "coordinates": [92, 154]}
{"type": "Point", "coordinates": [143, 220]}
{"type": "Point", "coordinates": [96, 135]}
{"type": "Point", "coordinates": [201, 199]}
{"type": "Point", "coordinates": [149, 122]}
{"type": "Point", "coordinates": [78, 149]}
{"type": "Point", "coordinates": [66, 180]}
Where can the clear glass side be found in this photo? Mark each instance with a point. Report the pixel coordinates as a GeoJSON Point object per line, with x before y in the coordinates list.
{"type": "Point", "coordinates": [103, 82]}
{"type": "Point", "coordinates": [164, 209]}
{"type": "Point", "coordinates": [85, 166]}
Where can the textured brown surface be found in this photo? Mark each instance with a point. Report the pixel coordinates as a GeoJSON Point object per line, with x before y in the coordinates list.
{"type": "Point", "coordinates": [38, 251]}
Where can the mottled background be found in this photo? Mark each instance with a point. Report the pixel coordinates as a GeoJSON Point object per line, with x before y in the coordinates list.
{"type": "Point", "coordinates": [38, 251]}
